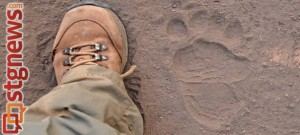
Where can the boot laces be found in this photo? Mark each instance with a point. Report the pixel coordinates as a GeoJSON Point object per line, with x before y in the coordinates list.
{"type": "Point", "coordinates": [75, 51]}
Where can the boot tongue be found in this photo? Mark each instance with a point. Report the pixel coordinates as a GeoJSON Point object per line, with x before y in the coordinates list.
{"type": "Point", "coordinates": [83, 57]}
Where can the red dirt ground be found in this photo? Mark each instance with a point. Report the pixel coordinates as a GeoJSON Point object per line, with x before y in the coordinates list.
{"type": "Point", "coordinates": [211, 67]}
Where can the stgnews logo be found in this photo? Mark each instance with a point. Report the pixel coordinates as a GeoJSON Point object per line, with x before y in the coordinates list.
{"type": "Point", "coordinates": [16, 73]}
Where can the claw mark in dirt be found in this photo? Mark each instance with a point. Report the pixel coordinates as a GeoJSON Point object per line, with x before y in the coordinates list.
{"type": "Point", "coordinates": [206, 70]}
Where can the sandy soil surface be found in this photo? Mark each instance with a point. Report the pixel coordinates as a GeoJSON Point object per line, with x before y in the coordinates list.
{"type": "Point", "coordinates": [214, 67]}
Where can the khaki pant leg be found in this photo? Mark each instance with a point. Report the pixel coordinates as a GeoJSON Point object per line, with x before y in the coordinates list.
{"type": "Point", "coordinates": [91, 100]}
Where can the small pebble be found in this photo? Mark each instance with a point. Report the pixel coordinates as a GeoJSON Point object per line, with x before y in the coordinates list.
{"type": "Point", "coordinates": [174, 6]}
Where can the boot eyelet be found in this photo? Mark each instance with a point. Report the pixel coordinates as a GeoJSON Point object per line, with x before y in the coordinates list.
{"type": "Point", "coordinates": [99, 57]}
{"type": "Point", "coordinates": [100, 47]}
{"type": "Point", "coordinates": [69, 61]}
{"type": "Point", "coordinates": [68, 51]}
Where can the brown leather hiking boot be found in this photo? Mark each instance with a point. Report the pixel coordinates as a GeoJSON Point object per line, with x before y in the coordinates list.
{"type": "Point", "coordinates": [90, 33]}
